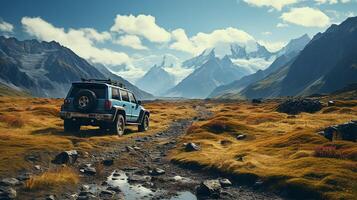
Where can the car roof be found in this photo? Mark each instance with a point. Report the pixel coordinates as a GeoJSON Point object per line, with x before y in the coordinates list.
{"type": "Point", "coordinates": [96, 83]}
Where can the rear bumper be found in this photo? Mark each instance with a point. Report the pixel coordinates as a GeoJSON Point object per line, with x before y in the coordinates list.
{"type": "Point", "coordinates": [86, 116]}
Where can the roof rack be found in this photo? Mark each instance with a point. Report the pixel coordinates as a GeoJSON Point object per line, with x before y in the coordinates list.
{"type": "Point", "coordinates": [107, 81]}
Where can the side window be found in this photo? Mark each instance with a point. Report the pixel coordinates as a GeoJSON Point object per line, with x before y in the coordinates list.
{"type": "Point", "coordinates": [116, 94]}
{"type": "Point", "coordinates": [124, 95]}
{"type": "Point", "coordinates": [132, 98]}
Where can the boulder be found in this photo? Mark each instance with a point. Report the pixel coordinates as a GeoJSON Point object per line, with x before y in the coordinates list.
{"type": "Point", "coordinates": [7, 193]}
{"type": "Point", "coordinates": [9, 182]}
{"type": "Point", "coordinates": [296, 106]}
{"type": "Point", "coordinates": [191, 147]}
{"type": "Point", "coordinates": [346, 131]}
{"type": "Point", "coordinates": [209, 188]}
{"type": "Point", "coordinates": [66, 157]}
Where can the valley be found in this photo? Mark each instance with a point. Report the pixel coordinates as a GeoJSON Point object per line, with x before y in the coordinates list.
{"type": "Point", "coordinates": [264, 153]}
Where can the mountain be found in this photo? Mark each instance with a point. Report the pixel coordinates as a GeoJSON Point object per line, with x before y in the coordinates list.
{"type": "Point", "coordinates": [213, 73]}
{"type": "Point", "coordinates": [199, 60]}
{"type": "Point", "coordinates": [288, 53]}
{"type": "Point", "coordinates": [9, 90]}
{"type": "Point", "coordinates": [45, 69]}
{"type": "Point", "coordinates": [242, 52]}
{"type": "Point", "coordinates": [328, 63]}
{"type": "Point", "coordinates": [157, 81]}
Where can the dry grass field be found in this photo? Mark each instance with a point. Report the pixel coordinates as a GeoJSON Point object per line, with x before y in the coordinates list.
{"type": "Point", "coordinates": [31, 129]}
{"type": "Point", "coordinates": [283, 151]}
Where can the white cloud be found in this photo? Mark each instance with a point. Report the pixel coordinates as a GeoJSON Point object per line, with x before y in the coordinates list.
{"type": "Point", "coordinates": [276, 4]}
{"type": "Point", "coordinates": [306, 16]}
{"type": "Point", "coordinates": [141, 25]}
{"type": "Point", "coordinates": [95, 35]}
{"type": "Point", "coordinates": [253, 64]}
{"type": "Point", "coordinates": [272, 46]}
{"type": "Point", "coordinates": [6, 27]}
{"type": "Point", "coordinates": [282, 25]}
{"type": "Point", "coordinates": [215, 39]}
{"type": "Point", "coordinates": [81, 41]}
{"type": "Point", "coordinates": [266, 33]}
{"type": "Point", "coordinates": [132, 41]}
{"type": "Point", "coordinates": [332, 1]}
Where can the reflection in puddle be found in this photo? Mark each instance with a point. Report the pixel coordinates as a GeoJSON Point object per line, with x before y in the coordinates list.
{"type": "Point", "coordinates": [138, 191]}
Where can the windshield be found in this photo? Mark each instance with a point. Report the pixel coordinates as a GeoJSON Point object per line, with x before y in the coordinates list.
{"type": "Point", "coordinates": [99, 90]}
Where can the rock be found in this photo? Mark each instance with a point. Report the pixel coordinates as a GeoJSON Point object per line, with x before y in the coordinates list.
{"type": "Point", "coordinates": [156, 172]}
{"type": "Point", "coordinates": [107, 194]}
{"type": "Point", "coordinates": [88, 170]}
{"type": "Point", "coordinates": [84, 188]}
{"type": "Point", "coordinates": [256, 101]}
{"type": "Point", "coordinates": [66, 157]}
{"type": "Point", "coordinates": [9, 182]}
{"type": "Point", "coordinates": [108, 162]}
{"type": "Point", "coordinates": [241, 136]}
{"type": "Point", "coordinates": [191, 147]}
{"type": "Point", "coordinates": [209, 188]}
{"type": "Point", "coordinates": [114, 188]}
{"type": "Point", "coordinates": [50, 197]}
{"type": "Point", "coordinates": [129, 149]}
{"type": "Point", "coordinates": [330, 103]}
{"type": "Point", "coordinates": [346, 131]}
{"type": "Point", "coordinates": [258, 184]}
{"type": "Point", "coordinates": [137, 178]}
{"type": "Point", "coordinates": [7, 193]}
{"type": "Point", "coordinates": [24, 177]}
{"type": "Point", "coordinates": [225, 182]}
{"type": "Point", "coordinates": [296, 106]}
{"type": "Point", "coordinates": [136, 148]}
{"type": "Point", "coordinates": [37, 167]}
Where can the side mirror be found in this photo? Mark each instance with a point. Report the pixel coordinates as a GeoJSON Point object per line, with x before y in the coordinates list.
{"type": "Point", "coordinates": [139, 102]}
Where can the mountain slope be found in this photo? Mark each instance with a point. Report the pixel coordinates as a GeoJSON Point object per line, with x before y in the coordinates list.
{"type": "Point", "coordinates": [42, 68]}
{"type": "Point", "coordinates": [204, 79]}
{"type": "Point", "coordinates": [327, 63]}
{"type": "Point", "coordinates": [289, 52]}
{"type": "Point", "coordinates": [156, 81]}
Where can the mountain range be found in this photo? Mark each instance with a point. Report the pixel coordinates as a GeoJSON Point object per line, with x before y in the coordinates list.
{"type": "Point", "coordinates": [156, 81]}
{"type": "Point", "coordinates": [326, 64]}
{"type": "Point", "coordinates": [47, 69]}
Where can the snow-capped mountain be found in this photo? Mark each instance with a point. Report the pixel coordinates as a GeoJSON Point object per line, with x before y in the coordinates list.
{"type": "Point", "coordinates": [242, 52]}
{"type": "Point", "coordinates": [157, 80]}
{"type": "Point", "coordinates": [199, 60]}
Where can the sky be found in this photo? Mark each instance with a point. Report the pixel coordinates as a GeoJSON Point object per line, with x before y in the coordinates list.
{"type": "Point", "coordinates": [130, 36]}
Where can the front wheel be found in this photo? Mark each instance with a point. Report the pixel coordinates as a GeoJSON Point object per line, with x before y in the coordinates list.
{"type": "Point", "coordinates": [70, 126]}
{"type": "Point", "coordinates": [144, 126]}
{"type": "Point", "coordinates": [119, 125]}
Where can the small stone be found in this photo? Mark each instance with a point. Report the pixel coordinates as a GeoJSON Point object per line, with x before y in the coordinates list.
{"type": "Point", "coordinates": [9, 182]}
{"type": "Point", "coordinates": [136, 148]}
{"type": "Point", "coordinates": [50, 197]}
{"type": "Point", "coordinates": [66, 157]}
{"type": "Point", "coordinates": [157, 172]}
{"type": "Point", "coordinates": [24, 177]}
{"type": "Point", "coordinates": [225, 182]}
{"type": "Point", "coordinates": [192, 147]}
{"type": "Point", "coordinates": [137, 178]}
{"type": "Point", "coordinates": [7, 193]}
{"type": "Point", "coordinates": [37, 167]}
{"type": "Point", "coordinates": [330, 103]}
{"type": "Point", "coordinates": [209, 188]}
{"type": "Point", "coordinates": [108, 162]}
{"type": "Point", "coordinates": [107, 193]}
{"type": "Point", "coordinates": [241, 136]}
{"type": "Point", "coordinates": [129, 149]}
{"type": "Point", "coordinates": [114, 188]}
{"type": "Point", "coordinates": [88, 170]}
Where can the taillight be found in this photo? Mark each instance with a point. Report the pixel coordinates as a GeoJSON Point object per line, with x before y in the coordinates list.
{"type": "Point", "coordinates": [107, 105]}
{"type": "Point", "coordinates": [67, 101]}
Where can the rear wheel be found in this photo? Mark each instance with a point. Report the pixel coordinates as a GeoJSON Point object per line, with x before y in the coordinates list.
{"type": "Point", "coordinates": [119, 125]}
{"type": "Point", "coordinates": [70, 126]}
{"type": "Point", "coordinates": [144, 126]}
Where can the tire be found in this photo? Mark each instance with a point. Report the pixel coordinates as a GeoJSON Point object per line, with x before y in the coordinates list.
{"type": "Point", "coordinates": [70, 126]}
{"type": "Point", "coordinates": [119, 125]}
{"type": "Point", "coordinates": [144, 126]}
{"type": "Point", "coordinates": [85, 100]}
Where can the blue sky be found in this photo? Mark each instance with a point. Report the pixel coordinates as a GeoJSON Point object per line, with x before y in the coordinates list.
{"type": "Point", "coordinates": [181, 28]}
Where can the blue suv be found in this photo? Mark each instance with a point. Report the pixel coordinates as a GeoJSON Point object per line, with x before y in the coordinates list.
{"type": "Point", "coordinates": [102, 103]}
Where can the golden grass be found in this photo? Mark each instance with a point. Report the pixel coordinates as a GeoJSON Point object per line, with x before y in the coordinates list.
{"type": "Point", "coordinates": [280, 149]}
{"type": "Point", "coordinates": [31, 126]}
{"type": "Point", "coordinates": [55, 178]}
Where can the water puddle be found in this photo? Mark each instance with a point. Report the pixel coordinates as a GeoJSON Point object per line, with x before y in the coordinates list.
{"type": "Point", "coordinates": [138, 191]}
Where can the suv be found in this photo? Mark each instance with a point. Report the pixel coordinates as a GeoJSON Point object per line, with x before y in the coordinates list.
{"type": "Point", "coordinates": [102, 103]}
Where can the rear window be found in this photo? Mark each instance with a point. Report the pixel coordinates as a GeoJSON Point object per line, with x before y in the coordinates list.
{"type": "Point", "coordinates": [99, 90]}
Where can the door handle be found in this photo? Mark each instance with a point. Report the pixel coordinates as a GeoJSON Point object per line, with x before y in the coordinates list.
{"type": "Point", "coordinates": [132, 106]}
{"type": "Point", "coordinates": [124, 105]}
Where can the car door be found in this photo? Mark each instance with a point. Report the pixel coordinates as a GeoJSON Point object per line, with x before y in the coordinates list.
{"type": "Point", "coordinates": [116, 99]}
{"type": "Point", "coordinates": [135, 108]}
{"type": "Point", "coordinates": [126, 104]}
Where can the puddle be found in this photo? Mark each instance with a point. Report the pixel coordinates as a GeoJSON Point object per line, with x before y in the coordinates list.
{"type": "Point", "coordinates": [138, 191]}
